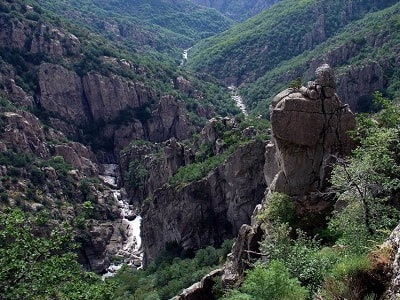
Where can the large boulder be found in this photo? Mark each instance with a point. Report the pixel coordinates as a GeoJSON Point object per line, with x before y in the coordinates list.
{"type": "Point", "coordinates": [310, 129]}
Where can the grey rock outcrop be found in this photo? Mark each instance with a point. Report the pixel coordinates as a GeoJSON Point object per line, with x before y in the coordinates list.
{"type": "Point", "coordinates": [111, 99]}
{"type": "Point", "coordinates": [309, 132]}
{"type": "Point", "coordinates": [160, 162]}
{"type": "Point", "coordinates": [21, 133]}
{"type": "Point", "coordinates": [310, 128]}
{"type": "Point", "coordinates": [207, 211]}
{"type": "Point", "coordinates": [392, 245]}
{"type": "Point", "coordinates": [200, 290]}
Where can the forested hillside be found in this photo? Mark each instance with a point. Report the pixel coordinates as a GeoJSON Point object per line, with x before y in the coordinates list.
{"type": "Point", "coordinates": [238, 10]}
{"type": "Point", "coordinates": [118, 152]}
{"type": "Point", "coordinates": [291, 38]}
{"type": "Point", "coordinates": [144, 25]}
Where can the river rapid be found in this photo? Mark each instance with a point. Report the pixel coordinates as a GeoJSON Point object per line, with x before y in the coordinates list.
{"type": "Point", "coordinates": [130, 251]}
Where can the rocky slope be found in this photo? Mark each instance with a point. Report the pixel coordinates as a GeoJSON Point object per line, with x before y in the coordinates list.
{"type": "Point", "coordinates": [207, 211]}
{"type": "Point", "coordinates": [44, 173]}
{"type": "Point", "coordinates": [216, 194]}
{"type": "Point", "coordinates": [165, 26]}
{"type": "Point", "coordinates": [90, 91]}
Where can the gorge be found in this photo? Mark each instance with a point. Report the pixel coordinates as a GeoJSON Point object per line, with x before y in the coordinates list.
{"type": "Point", "coordinates": [123, 155]}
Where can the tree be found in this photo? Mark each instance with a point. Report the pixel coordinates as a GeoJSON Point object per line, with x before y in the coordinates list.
{"type": "Point", "coordinates": [273, 283]}
{"type": "Point", "coordinates": [42, 267]}
{"type": "Point", "coordinates": [366, 181]}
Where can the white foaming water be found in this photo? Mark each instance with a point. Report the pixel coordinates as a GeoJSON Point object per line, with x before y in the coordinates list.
{"type": "Point", "coordinates": [130, 252]}
{"type": "Point", "coordinates": [185, 56]}
{"type": "Point", "coordinates": [238, 99]}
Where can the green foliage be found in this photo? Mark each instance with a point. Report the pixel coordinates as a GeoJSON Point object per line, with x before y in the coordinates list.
{"type": "Point", "coordinates": [167, 276]}
{"type": "Point", "coordinates": [347, 279]}
{"type": "Point", "coordinates": [196, 171]}
{"type": "Point", "coordinates": [136, 175]}
{"type": "Point", "coordinates": [273, 282]}
{"type": "Point", "coordinates": [163, 26]}
{"type": "Point", "coordinates": [42, 267]}
{"type": "Point", "coordinates": [230, 138]}
{"type": "Point", "coordinates": [280, 209]}
{"type": "Point", "coordinates": [256, 52]}
{"type": "Point", "coordinates": [59, 164]}
{"type": "Point", "coordinates": [304, 257]}
{"type": "Point", "coordinates": [366, 181]}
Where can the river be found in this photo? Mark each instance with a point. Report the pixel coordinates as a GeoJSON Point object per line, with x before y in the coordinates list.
{"type": "Point", "coordinates": [184, 59]}
{"type": "Point", "coordinates": [238, 99]}
{"type": "Point", "coordinates": [130, 252]}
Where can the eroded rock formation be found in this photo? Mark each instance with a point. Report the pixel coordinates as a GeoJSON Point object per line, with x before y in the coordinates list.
{"type": "Point", "coordinates": [207, 211]}
{"type": "Point", "coordinates": [309, 132]}
{"type": "Point", "coordinates": [61, 190]}
{"type": "Point", "coordinates": [310, 128]}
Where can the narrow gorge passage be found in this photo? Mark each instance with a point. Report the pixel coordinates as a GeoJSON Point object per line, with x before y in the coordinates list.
{"type": "Point", "coordinates": [238, 99]}
{"type": "Point", "coordinates": [130, 252]}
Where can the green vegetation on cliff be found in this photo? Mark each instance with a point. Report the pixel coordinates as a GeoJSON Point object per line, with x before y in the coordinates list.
{"type": "Point", "coordinates": [291, 38]}
{"type": "Point", "coordinates": [169, 274]}
{"type": "Point", "coordinates": [42, 267]}
{"type": "Point", "coordinates": [229, 139]}
{"type": "Point", "coordinates": [348, 261]}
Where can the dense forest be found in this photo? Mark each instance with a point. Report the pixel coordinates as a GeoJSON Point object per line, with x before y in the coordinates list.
{"type": "Point", "coordinates": [87, 84]}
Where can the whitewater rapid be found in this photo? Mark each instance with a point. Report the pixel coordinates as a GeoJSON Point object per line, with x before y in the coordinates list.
{"type": "Point", "coordinates": [130, 252]}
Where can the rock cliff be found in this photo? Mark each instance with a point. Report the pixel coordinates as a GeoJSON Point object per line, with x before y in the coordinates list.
{"type": "Point", "coordinates": [310, 128]}
{"type": "Point", "coordinates": [205, 211]}
{"type": "Point", "coordinates": [309, 132]}
{"type": "Point", "coordinates": [91, 97]}
{"type": "Point", "coordinates": [44, 173]}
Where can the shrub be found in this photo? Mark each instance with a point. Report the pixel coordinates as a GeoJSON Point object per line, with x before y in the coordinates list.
{"type": "Point", "coordinates": [348, 279]}
{"type": "Point", "coordinates": [273, 283]}
{"type": "Point", "coordinates": [280, 209]}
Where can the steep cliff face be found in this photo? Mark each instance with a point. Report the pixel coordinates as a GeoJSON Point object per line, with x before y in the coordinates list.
{"type": "Point", "coordinates": [206, 211]}
{"type": "Point", "coordinates": [148, 166]}
{"type": "Point", "coordinates": [89, 91]}
{"type": "Point", "coordinates": [126, 110]}
{"type": "Point", "coordinates": [45, 174]}
{"type": "Point", "coordinates": [310, 128]}
{"type": "Point", "coordinates": [309, 132]}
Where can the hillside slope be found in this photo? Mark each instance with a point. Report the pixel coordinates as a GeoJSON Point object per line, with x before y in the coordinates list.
{"type": "Point", "coordinates": [278, 35]}
{"type": "Point", "coordinates": [238, 10]}
{"type": "Point", "coordinates": [143, 25]}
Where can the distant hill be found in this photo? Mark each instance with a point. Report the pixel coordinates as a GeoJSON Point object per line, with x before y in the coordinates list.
{"type": "Point", "coordinates": [263, 54]}
{"type": "Point", "coordinates": [238, 10]}
{"type": "Point", "coordinates": [160, 25]}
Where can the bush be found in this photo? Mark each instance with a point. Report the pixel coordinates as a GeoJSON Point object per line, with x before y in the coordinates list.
{"type": "Point", "coordinates": [303, 256]}
{"type": "Point", "coordinates": [280, 209]}
{"type": "Point", "coordinates": [272, 283]}
{"type": "Point", "coordinates": [168, 275]}
{"type": "Point", "coordinates": [348, 279]}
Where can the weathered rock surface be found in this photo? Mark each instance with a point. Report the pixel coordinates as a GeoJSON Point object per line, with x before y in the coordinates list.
{"type": "Point", "coordinates": [307, 136]}
{"type": "Point", "coordinates": [392, 245]}
{"type": "Point", "coordinates": [79, 102]}
{"type": "Point", "coordinates": [309, 132]}
{"type": "Point", "coordinates": [200, 290]}
{"type": "Point", "coordinates": [45, 187]}
{"type": "Point", "coordinates": [207, 211]}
